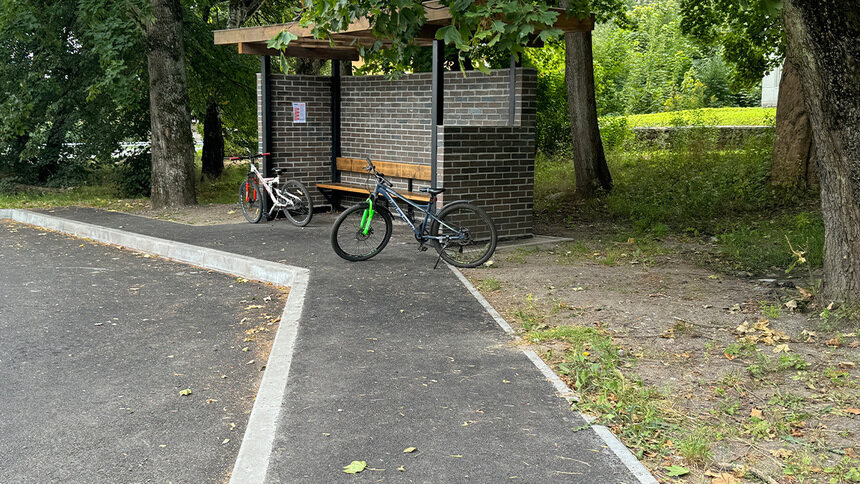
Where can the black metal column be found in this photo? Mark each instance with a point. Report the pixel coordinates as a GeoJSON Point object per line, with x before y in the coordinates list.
{"type": "Point", "coordinates": [512, 87]}
{"type": "Point", "coordinates": [266, 114]}
{"type": "Point", "coordinates": [437, 105]}
{"type": "Point", "coordinates": [335, 118]}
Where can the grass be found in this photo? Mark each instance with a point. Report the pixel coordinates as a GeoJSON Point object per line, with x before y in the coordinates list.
{"type": "Point", "coordinates": [101, 193]}
{"type": "Point", "coordinates": [707, 117]}
{"type": "Point", "coordinates": [696, 190]}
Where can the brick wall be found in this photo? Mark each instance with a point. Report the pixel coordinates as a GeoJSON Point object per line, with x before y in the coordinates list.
{"type": "Point", "coordinates": [390, 121]}
{"type": "Point", "coordinates": [495, 167]}
{"type": "Point", "coordinates": [304, 149]}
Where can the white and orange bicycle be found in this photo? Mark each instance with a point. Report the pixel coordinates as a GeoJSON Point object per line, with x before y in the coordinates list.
{"type": "Point", "coordinates": [289, 196]}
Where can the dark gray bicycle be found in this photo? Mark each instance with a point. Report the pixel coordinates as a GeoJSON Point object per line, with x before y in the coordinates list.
{"type": "Point", "coordinates": [462, 233]}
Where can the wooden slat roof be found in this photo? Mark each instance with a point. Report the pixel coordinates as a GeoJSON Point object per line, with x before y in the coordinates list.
{"type": "Point", "coordinates": [344, 44]}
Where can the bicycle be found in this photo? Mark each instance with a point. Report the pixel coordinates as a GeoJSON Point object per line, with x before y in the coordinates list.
{"type": "Point", "coordinates": [293, 198]}
{"type": "Point", "coordinates": [463, 234]}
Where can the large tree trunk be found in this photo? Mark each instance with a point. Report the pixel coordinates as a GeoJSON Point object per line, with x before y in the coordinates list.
{"type": "Point", "coordinates": [793, 159]}
{"type": "Point", "coordinates": [589, 161]}
{"type": "Point", "coordinates": [825, 37]}
{"type": "Point", "coordinates": [170, 113]}
{"type": "Point", "coordinates": [213, 142]}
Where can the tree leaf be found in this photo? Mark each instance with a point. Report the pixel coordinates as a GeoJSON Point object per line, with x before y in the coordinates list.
{"type": "Point", "coordinates": [355, 467]}
{"type": "Point", "coordinates": [409, 450]}
{"type": "Point", "coordinates": [185, 393]}
{"type": "Point", "coordinates": [676, 471]}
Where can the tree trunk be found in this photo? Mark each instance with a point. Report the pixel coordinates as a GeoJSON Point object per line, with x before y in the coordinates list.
{"type": "Point", "coordinates": [239, 11]}
{"type": "Point", "coordinates": [825, 37]}
{"type": "Point", "coordinates": [589, 161]}
{"type": "Point", "coordinates": [170, 114]}
{"type": "Point", "coordinates": [213, 142]}
{"type": "Point", "coordinates": [793, 160]}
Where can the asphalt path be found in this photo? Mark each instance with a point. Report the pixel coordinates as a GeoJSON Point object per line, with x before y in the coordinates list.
{"type": "Point", "coordinates": [392, 354]}
{"type": "Point", "coordinates": [96, 344]}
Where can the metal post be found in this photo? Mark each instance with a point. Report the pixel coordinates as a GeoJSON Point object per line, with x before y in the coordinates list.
{"type": "Point", "coordinates": [437, 104]}
{"type": "Point", "coordinates": [266, 112]}
{"type": "Point", "coordinates": [335, 119]}
{"type": "Point", "coordinates": [512, 87]}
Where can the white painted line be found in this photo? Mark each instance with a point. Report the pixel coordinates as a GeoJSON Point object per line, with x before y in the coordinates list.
{"type": "Point", "coordinates": [624, 455]}
{"type": "Point", "coordinates": [252, 461]}
{"type": "Point", "coordinates": [616, 446]}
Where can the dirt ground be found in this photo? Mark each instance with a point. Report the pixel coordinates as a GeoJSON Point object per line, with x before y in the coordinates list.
{"type": "Point", "coordinates": [215, 214]}
{"type": "Point", "coordinates": [793, 417]}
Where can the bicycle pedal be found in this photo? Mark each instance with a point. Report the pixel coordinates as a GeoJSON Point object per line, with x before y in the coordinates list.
{"type": "Point", "coordinates": [422, 248]}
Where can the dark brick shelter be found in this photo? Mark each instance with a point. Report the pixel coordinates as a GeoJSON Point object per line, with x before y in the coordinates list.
{"type": "Point", "coordinates": [474, 131]}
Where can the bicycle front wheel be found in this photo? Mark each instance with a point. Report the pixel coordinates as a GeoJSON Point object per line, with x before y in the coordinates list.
{"type": "Point", "coordinates": [350, 241]}
{"type": "Point", "coordinates": [252, 201]}
{"type": "Point", "coordinates": [468, 235]}
{"type": "Point", "coordinates": [303, 208]}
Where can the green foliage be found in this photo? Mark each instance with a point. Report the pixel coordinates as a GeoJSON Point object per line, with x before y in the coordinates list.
{"type": "Point", "coordinates": [706, 117]}
{"type": "Point", "coordinates": [749, 32]}
{"type": "Point", "coordinates": [134, 175]}
{"type": "Point", "coordinates": [72, 88]}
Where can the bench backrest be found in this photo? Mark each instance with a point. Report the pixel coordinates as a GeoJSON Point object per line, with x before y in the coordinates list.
{"type": "Point", "coordinates": [387, 168]}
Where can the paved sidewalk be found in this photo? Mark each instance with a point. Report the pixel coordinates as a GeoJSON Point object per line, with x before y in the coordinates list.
{"type": "Point", "coordinates": [392, 354]}
{"type": "Point", "coordinates": [96, 344]}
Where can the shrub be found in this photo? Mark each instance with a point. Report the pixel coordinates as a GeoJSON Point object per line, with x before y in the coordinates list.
{"type": "Point", "coordinates": [134, 175]}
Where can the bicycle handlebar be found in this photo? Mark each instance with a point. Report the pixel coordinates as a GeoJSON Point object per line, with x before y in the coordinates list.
{"type": "Point", "coordinates": [249, 157]}
{"type": "Point", "coordinates": [379, 176]}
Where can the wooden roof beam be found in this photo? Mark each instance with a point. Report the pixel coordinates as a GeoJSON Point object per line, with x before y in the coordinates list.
{"type": "Point", "coordinates": [347, 54]}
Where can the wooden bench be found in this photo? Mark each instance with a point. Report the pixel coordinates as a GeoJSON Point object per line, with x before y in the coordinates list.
{"type": "Point", "coordinates": [408, 171]}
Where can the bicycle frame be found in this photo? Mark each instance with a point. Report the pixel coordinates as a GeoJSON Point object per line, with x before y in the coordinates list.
{"type": "Point", "coordinates": [281, 200]}
{"type": "Point", "coordinates": [420, 230]}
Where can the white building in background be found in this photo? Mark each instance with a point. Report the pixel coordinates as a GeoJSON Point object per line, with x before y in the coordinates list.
{"type": "Point", "coordinates": [770, 88]}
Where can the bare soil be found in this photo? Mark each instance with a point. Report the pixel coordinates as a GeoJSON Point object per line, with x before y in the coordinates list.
{"type": "Point", "coordinates": [679, 321]}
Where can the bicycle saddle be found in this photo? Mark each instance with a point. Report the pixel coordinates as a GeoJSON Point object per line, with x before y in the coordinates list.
{"type": "Point", "coordinates": [281, 171]}
{"type": "Point", "coordinates": [432, 191]}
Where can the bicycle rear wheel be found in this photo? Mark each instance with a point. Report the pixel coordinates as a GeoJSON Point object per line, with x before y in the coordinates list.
{"type": "Point", "coordinates": [348, 239]}
{"type": "Point", "coordinates": [469, 235]}
{"type": "Point", "coordinates": [252, 200]}
{"type": "Point", "coordinates": [301, 214]}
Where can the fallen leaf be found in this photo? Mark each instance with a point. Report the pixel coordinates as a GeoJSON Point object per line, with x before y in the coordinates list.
{"type": "Point", "coordinates": [254, 306]}
{"type": "Point", "coordinates": [781, 349]}
{"type": "Point", "coordinates": [355, 467]}
{"type": "Point", "coordinates": [725, 478]}
{"type": "Point", "coordinates": [846, 365]}
{"type": "Point", "coordinates": [853, 411]}
{"type": "Point", "coordinates": [409, 450]}
{"type": "Point", "coordinates": [231, 212]}
{"type": "Point", "coordinates": [225, 441]}
{"type": "Point", "coordinates": [781, 453]}
{"type": "Point", "coordinates": [185, 393]}
{"type": "Point", "coordinates": [791, 305]}
{"type": "Point", "coordinates": [676, 471]}
{"type": "Point", "coordinates": [756, 413]}
{"type": "Point", "coordinates": [401, 469]}
{"type": "Point", "coordinates": [833, 342]}
{"type": "Point", "coordinates": [729, 357]}
{"type": "Point", "coordinates": [804, 293]}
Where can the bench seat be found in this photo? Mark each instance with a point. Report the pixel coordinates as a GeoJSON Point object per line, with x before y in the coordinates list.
{"type": "Point", "coordinates": [349, 187]}
{"type": "Point", "coordinates": [407, 171]}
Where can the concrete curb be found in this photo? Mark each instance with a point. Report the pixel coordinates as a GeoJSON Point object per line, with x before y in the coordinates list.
{"type": "Point", "coordinates": [616, 446]}
{"type": "Point", "coordinates": [252, 461]}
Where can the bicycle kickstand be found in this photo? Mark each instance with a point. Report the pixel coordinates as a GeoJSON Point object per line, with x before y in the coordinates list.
{"type": "Point", "coordinates": [440, 257]}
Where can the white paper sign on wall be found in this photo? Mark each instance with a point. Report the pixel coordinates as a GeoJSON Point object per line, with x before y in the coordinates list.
{"type": "Point", "coordinates": [300, 113]}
